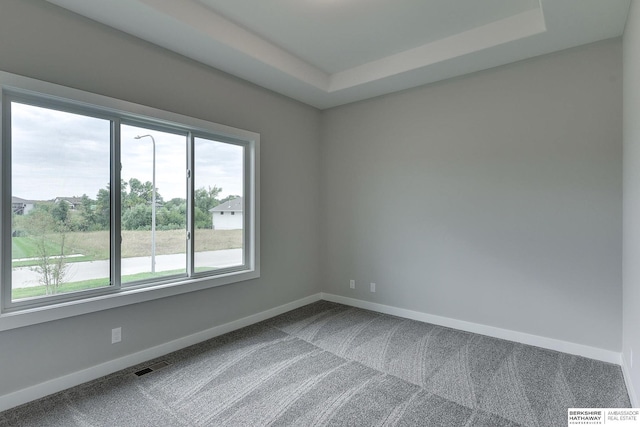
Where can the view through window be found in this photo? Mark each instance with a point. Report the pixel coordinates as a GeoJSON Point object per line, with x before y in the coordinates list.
{"type": "Point", "coordinates": [219, 187]}
{"type": "Point", "coordinates": [60, 219]}
{"type": "Point", "coordinates": [154, 241]}
{"type": "Point", "coordinates": [63, 215]}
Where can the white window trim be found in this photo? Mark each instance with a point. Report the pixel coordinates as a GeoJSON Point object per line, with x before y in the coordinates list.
{"type": "Point", "coordinates": [134, 295]}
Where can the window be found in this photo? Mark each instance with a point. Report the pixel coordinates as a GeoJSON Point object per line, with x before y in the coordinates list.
{"type": "Point", "coordinates": [53, 154]}
{"type": "Point", "coordinates": [114, 203]}
{"type": "Point", "coordinates": [153, 217]}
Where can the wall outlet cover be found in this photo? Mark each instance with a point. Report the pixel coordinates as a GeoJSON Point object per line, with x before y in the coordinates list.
{"type": "Point", "coordinates": [116, 335]}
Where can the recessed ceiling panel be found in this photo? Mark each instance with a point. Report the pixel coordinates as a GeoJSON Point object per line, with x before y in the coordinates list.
{"type": "Point", "coordinates": [336, 35]}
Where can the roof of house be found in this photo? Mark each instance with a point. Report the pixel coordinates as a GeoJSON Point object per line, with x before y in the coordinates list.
{"type": "Point", "coordinates": [15, 199]}
{"type": "Point", "coordinates": [72, 200]}
{"type": "Point", "coordinates": [233, 205]}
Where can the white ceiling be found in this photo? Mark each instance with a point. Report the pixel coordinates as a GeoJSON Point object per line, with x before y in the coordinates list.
{"type": "Point", "coordinates": [335, 36]}
{"type": "Point", "coordinates": [331, 52]}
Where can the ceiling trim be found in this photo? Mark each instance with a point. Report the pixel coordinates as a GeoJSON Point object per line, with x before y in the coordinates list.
{"type": "Point", "coordinates": [506, 30]}
{"type": "Point", "coordinates": [192, 29]}
{"type": "Point", "coordinates": [216, 27]}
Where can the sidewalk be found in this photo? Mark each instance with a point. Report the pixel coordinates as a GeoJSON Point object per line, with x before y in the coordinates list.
{"type": "Point", "coordinates": [53, 257]}
{"type": "Point", "coordinates": [24, 277]}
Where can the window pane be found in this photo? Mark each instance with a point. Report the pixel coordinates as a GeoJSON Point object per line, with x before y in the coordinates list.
{"type": "Point", "coordinates": [219, 205]}
{"type": "Point", "coordinates": [60, 169]}
{"type": "Point", "coordinates": [149, 253]}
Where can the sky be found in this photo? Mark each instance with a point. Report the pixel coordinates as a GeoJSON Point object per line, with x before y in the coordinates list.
{"type": "Point", "coordinates": [59, 154]}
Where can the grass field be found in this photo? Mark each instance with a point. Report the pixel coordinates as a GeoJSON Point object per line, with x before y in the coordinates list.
{"type": "Point", "coordinates": [25, 247]}
{"type": "Point", "coordinates": [37, 291]}
{"type": "Point", "coordinates": [95, 245]}
{"type": "Point", "coordinates": [83, 285]}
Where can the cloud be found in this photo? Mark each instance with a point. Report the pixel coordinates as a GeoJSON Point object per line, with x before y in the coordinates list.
{"type": "Point", "coordinates": [57, 154]}
{"type": "Point", "coordinates": [219, 164]}
{"type": "Point", "coordinates": [62, 154]}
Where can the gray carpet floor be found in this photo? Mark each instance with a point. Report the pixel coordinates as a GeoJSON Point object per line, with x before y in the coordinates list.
{"type": "Point", "coordinates": [329, 364]}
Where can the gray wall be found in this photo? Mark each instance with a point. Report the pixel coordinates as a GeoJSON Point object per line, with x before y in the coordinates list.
{"type": "Point", "coordinates": [631, 261]}
{"type": "Point", "coordinates": [494, 198]}
{"type": "Point", "coordinates": [42, 41]}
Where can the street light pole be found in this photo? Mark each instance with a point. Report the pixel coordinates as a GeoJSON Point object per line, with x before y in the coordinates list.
{"type": "Point", "coordinates": [153, 205]}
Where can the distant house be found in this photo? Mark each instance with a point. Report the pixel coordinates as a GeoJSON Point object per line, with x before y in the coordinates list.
{"type": "Point", "coordinates": [73, 202]}
{"type": "Point", "coordinates": [21, 206]}
{"type": "Point", "coordinates": [228, 215]}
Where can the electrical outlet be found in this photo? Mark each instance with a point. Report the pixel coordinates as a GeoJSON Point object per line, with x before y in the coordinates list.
{"type": "Point", "coordinates": [373, 287]}
{"type": "Point", "coordinates": [116, 335]}
{"type": "Point", "coordinates": [352, 284]}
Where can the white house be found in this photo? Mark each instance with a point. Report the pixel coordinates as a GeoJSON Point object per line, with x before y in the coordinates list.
{"type": "Point", "coordinates": [73, 202]}
{"type": "Point", "coordinates": [227, 215]}
{"type": "Point", "coordinates": [21, 206]}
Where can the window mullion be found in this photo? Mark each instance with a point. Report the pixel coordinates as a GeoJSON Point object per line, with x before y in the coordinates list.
{"type": "Point", "coordinates": [5, 134]}
{"type": "Point", "coordinates": [190, 204]}
{"type": "Point", "coordinates": [248, 236]}
{"type": "Point", "coordinates": [116, 204]}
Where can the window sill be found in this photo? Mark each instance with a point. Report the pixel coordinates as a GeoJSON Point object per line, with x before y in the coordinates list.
{"type": "Point", "coordinates": [33, 316]}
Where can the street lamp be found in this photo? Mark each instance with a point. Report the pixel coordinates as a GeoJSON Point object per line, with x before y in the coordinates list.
{"type": "Point", "coordinates": [153, 205]}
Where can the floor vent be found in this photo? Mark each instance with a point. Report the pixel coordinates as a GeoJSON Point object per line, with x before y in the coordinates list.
{"type": "Point", "coordinates": [154, 367]}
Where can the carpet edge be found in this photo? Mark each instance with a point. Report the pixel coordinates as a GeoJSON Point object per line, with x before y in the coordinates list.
{"type": "Point", "coordinates": [600, 354]}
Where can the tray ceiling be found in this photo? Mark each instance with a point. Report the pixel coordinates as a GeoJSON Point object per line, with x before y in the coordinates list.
{"type": "Point", "coordinates": [331, 52]}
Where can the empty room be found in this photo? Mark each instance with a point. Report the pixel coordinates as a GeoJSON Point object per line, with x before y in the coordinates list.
{"type": "Point", "coordinates": [319, 212]}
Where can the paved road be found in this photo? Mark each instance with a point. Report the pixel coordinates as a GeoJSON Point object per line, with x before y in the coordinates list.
{"type": "Point", "coordinates": [24, 277]}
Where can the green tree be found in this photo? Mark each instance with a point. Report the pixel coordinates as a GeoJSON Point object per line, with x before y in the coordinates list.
{"type": "Point", "coordinates": [60, 211]}
{"type": "Point", "coordinates": [137, 217]}
{"type": "Point", "coordinates": [50, 237]}
{"type": "Point", "coordinates": [102, 212]}
{"type": "Point", "coordinates": [139, 193]}
{"type": "Point", "coordinates": [88, 215]}
{"type": "Point", "coordinates": [135, 196]}
{"type": "Point", "coordinates": [207, 198]}
{"type": "Point", "coordinates": [173, 215]}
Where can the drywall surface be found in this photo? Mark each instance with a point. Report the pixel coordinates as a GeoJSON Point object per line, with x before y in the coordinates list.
{"type": "Point", "coordinates": [494, 198]}
{"type": "Point", "coordinates": [631, 248]}
{"type": "Point", "coordinates": [42, 41]}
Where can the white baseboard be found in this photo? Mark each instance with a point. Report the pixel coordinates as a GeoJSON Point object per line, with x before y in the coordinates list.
{"type": "Point", "coordinates": [505, 334]}
{"type": "Point", "coordinates": [626, 372]}
{"type": "Point", "coordinates": [55, 385]}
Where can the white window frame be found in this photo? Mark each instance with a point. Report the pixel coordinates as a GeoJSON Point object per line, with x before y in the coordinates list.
{"type": "Point", "coordinates": [19, 314]}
